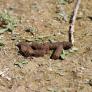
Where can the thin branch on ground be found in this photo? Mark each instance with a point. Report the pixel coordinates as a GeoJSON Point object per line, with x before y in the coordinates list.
{"type": "Point", "coordinates": [72, 21]}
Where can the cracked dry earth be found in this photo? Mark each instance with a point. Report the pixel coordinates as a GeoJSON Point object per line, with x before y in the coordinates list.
{"type": "Point", "coordinates": [43, 74]}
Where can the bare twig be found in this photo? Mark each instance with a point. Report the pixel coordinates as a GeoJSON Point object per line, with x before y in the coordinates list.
{"type": "Point", "coordinates": [72, 21]}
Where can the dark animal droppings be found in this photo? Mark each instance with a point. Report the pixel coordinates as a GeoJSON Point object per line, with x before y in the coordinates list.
{"type": "Point", "coordinates": [39, 50]}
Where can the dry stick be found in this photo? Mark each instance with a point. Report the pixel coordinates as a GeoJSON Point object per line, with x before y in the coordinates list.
{"type": "Point", "coordinates": [72, 21]}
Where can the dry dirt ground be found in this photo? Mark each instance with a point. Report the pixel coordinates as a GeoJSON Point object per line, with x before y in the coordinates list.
{"type": "Point", "coordinates": [43, 74]}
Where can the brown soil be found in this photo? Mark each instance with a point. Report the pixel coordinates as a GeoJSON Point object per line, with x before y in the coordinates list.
{"type": "Point", "coordinates": [43, 74]}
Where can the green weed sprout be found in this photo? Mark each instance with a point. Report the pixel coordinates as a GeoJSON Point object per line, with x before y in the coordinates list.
{"type": "Point", "coordinates": [10, 21]}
